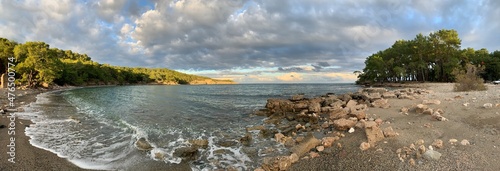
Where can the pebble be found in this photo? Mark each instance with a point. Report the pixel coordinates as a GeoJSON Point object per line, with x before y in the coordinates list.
{"type": "Point", "coordinates": [351, 130]}
{"type": "Point", "coordinates": [453, 141]}
{"type": "Point", "coordinates": [364, 146]}
{"type": "Point", "coordinates": [320, 148]}
{"type": "Point", "coordinates": [465, 142]}
{"type": "Point", "coordinates": [488, 105]}
{"type": "Point", "coordinates": [438, 143]}
{"type": "Point", "coordinates": [412, 162]}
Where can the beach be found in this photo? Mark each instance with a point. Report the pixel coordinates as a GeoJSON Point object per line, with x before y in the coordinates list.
{"type": "Point", "coordinates": [467, 119]}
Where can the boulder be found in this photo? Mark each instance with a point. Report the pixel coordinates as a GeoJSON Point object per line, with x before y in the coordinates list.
{"type": "Point", "coordinates": [420, 108]}
{"type": "Point", "coordinates": [343, 124]}
{"type": "Point", "coordinates": [465, 142]}
{"type": "Point", "coordinates": [404, 110]}
{"type": "Point", "coordinates": [279, 137]}
{"type": "Point", "coordinates": [389, 132]}
{"type": "Point", "coordinates": [338, 113]}
{"type": "Point", "coordinates": [307, 144]}
{"type": "Point", "coordinates": [351, 103]}
{"type": "Point", "coordinates": [432, 155]}
{"type": "Point", "coordinates": [201, 143]}
{"type": "Point", "coordinates": [314, 107]}
{"type": "Point", "coordinates": [297, 97]}
{"type": "Point", "coordinates": [186, 153]}
{"type": "Point", "coordinates": [373, 132]}
{"type": "Point", "coordinates": [345, 97]}
{"type": "Point", "coordinates": [300, 105]}
{"type": "Point", "coordinates": [437, 116]}
{"type": "Point", "coordinates": [358, 114]}
{"type": "Point", "coordinates": [431, 101]}
{"type": "Point", "coordinates": [381, 103]}
{"type": "Point", "coordinates": [143, 144]}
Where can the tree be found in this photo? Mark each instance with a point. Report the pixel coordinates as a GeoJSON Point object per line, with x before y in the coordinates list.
{"type": "Point", "coordinates": [36, 63]}
{"type": "Point", "coordinates": [6, 52]}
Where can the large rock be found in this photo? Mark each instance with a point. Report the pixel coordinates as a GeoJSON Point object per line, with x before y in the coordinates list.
{"type": "Point", "coordinates": [186, 153]}
{"type": "Point", "coordinates": [420, 108]}
{"type": "Point", "coordinates": [381, 103]}
{"type": "Point", "coordinates": [338, 113]}
{"type": "Point", "coordinates": [314, 107]}
{"type": "Point", "coordinates": [373, 132]}
{"type": "Point", "coordinates": [432, 155]}
{"type": "Point", "coordinates": [343, 124]}
{"type": "Point", "coordinates": [280, 105]}
{"type": "Point", "coordinates": [351, 103]}
{"type": "Point", "coordinates": [143, 144]}
{"type": "Point", "coordinates": [307, 144]}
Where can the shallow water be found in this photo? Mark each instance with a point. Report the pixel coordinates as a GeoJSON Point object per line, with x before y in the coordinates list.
{"type": "Point", "coordinates": [96, 128]}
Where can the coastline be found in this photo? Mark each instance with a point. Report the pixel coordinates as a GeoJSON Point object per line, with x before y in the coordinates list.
{"type": "Point", "coordinates": [27, 156]}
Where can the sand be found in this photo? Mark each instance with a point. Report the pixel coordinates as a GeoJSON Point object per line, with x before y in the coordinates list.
{"type": "Point", "coordinates": [479, 125]}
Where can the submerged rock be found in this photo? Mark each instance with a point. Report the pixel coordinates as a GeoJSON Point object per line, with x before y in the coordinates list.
{"type": "Point", "coordinates": [202, 143]}
{"type": "Point", "coordinates": [143, 144]}
{"type": "Point", "coordinates": [186, 153]}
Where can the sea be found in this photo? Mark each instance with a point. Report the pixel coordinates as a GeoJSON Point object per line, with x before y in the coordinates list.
{"type": "Point", "coordinates": [97, 127]}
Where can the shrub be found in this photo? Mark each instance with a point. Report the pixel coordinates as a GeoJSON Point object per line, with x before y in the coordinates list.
{"type": "Point", "coordinates": [468, 79]}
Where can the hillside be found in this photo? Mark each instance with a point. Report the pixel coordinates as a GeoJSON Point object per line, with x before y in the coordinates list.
{"type": "Point", "coordinates": [36, 64]}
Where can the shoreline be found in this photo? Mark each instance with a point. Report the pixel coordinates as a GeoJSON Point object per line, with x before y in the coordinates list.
{"type": "Point", "coordinates": [27, 156]}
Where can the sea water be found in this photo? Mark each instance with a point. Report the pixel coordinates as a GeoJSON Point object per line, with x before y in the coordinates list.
{"type": "Point", "coordinates": [96, 128]}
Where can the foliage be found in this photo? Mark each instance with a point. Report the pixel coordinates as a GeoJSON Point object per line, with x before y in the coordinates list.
{"type": "Point", "coordinates": [38, 64]}
{"type": "Point", "coordinates": [427, 58]}
{"type": "Point", "coordinates": [469, 79]}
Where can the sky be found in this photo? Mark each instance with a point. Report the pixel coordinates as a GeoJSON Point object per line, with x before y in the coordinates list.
{"type": "Point", "coordinates": [248, 41]}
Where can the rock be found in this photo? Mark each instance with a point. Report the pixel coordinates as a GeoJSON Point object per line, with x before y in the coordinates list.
{"type": "Point", "coordinates": [315, 107]}
{"type": "Point", "coordinates": [358, 114]}
{"type": "Point", "coordinates": [297, 97]}
{"type": "Point", "coordinates": [259, 169]}
{"type": "Point", "coordinates": [159, 156]}
{"type": "Point", "coordinates": [345, 97]}
{"type": "Point", "coordinates": [438, 143]}
{"type": "Point", "coordinates": [250, 151]}
{"type": "Point", "coordinates": [313, 154]}
{"type": "Point", "coordinates": [256, 128]}
{"type": "Point", "coordinates": [280, 105]}
{"type": "Point", "coordinates": [325, 125]}
{"type": "Point", "coordinates": [245, 140]}
{"type": "Point", "coordinates": [432, 155]}
{"type": "Point", "coordinates": [351, 130]}
{"type": "Point", "coordinates": [420, 142]}
{"type": "Point", "coordinates": [420, 108]}
{"type": "Point", "coordinates": [299, 139]}
{"type": "Point", "coordinates": [277, 163]}
{"type": "Point", "coordinates": [428, 111]}
{"type": "Point", "coordinates": [388, 95]}
{"type": "Point", "coordinates": [466, 104]}
{"type": "Point", "coordinates": [328, 141]}
{"type": "Point", "coordinates": [351, 103]}
{"type": "Point", "coordinates": [381, 103]}
{"type": "Point", "coordinates": [453, 141]}
{"type": "Point", "coordinates": [364, 146]}
{"type": "Point", "coordinates": [488, 105]}
{"type": "Point", "coordinates": [320, 148]}
{"type": "Point", "coordinates": [309, 142]}
{"type": "Point", "coordinates": [279, 137]}
{"type": "Point", "coordinates": [143, 144]}
{"type": "Point", "coordinates": [379, 121]}
{"type": "Point", "coordinates": [186, 153]}
{"type": "Point", "coordinates": [421, 149]}
{"type": "Point", "coordinates": [437, 116]}
{"type": "Point", "coordinates": [227, 143]}
{"type": "Point", "coordinates": [465, 142]}
{"type": "Point", "coordinates": [389, 132]}
{"type": "Point", "coordinates": [431, 101]}
{"type": "Point", "coordinates": [404, 110]}
{"type": "Point", "coordinates": [338, 113]}
{"type": "Point", "coordinates": [343, 124]}
{"type": "Point", "coordinates": [202, 143]}
{"type": "Point", "coordinates": [373, 132]}
{"type": "Point", "coordinates": [412, 162]}
{"type": "Point", "coordinates": [11, 110]}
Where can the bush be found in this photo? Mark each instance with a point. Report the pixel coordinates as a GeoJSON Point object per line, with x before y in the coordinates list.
{"type": "Point", "coordinates": [469, 79]}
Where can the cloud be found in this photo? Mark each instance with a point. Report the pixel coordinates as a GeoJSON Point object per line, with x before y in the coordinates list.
{"type": "Point", "coordinates": [323, 36]}
{"type": "Point", "coordinates": [290, 77]}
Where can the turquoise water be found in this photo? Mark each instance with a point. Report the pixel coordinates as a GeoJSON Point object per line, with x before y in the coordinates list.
{"type": "Point", "coordinates": [96, 128]}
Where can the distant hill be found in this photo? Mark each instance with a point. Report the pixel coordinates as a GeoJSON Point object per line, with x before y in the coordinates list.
{"type": "Point", "coordinates": [36, 64]}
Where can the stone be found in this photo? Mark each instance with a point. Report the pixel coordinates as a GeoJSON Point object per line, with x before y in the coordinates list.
{"type": "Point", "coordinates": [428, 111]}
{"type": "Point", "coordinates": [314, 107]}
{"type": "Point", "coordinates": [420, 108]}
{"type": "Point", "coordinates": [245, 140]}
{"type": "Point", "coordinates": [373, 132]}
{"type": "Point", "coordinates": [325, 125]}
{"type": "Point", "coordinates": [432, 155]}
{"type": "Point", "coordinates": [351, 103]}
{"type": "Point", "coordinates": [256, 128]}
{"type": "Point", "coordinates": [437, 116]}
{"type": "Point", "coordinates": [280, 138]}
{"type": "Point", "coordinates": [297, 97]}
{"type": "Point", "coordinates": [438, 143]}
{"type": "Point", "coordinates": [279, 163]}
{"type": "Point", "coordinates": [453, 141]}
{"type": "Point", "coordinates": [328, 141]}
{"type": "Point", "coordinates": [338, 113]}
{"type": "Point", "coordinates": [465, 142]}
{"type": "Point", "coordinates": [320, 148]}
{"type": "Point", "coordinates": [351, 130]}
{"type": "Point", "coordinates": [411, 162]}
{"type": "Point", "coordinates": [343, 124]}
{"type": "Point", "coordinates": [259, 169]}
{"type": "Point", "coordinates": [379, 121]}
{"type": "Point", "coordinates": [431, 101]}
{"type": "Point", "coordinates": [381, 103]}
{"type": "Point", "coordinates": [389, 132]}
{"type": "Point", "coordinates": [404, 110]}
{"type": "Point", "coordinates": [143, 144]}
{"type": "Point", "coordinates": [497, 105]}
{"type": "Point", "coordinates": [421, 149]}
{"type": "Point", "coordinates": [227, 143]}
{"type": "Point", "coordinates": [313, 154]}
{"type": "Point", "coordinates": [187, 153]}
{"type": "Point", "coordinates": [465, 104]}
{"type": "Point", "coordinates": [364, 146]}
{"type": "Point", "coordinates": [389, 95]}
{"type": "Point", "coordinates": [488, 105]}
{"type": "Point", "coordinates": [202, 143]}
{"type": "Point", "coordinates": [303, 147]}
{"type": "Point", "coordinates": [420, 142]}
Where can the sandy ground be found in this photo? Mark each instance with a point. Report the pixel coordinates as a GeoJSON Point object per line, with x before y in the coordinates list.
{"type": "Point", "coordinates": [27, 157]}
{"type": "Point", "coordinates": [479, 125]}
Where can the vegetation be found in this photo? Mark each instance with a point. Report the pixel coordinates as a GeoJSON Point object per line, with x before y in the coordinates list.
{"type": "Point", "coordinates": [38, 64]}
{"type": "Point", "coordinates": [431, 58]}
{"type": "Point", "coordinates": [469, 79]}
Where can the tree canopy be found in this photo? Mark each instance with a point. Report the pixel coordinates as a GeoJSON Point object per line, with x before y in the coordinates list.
{"type": "Point", "coordinates": [37, 64]}
{"type": "Point", "coordinates": [431, 58]}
